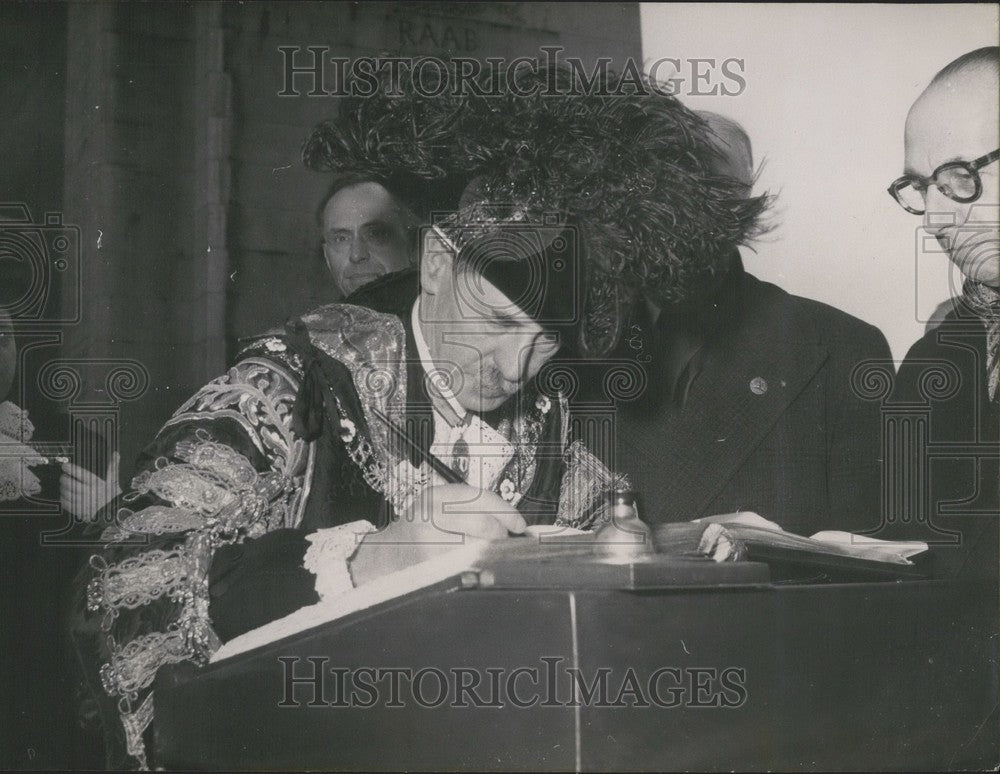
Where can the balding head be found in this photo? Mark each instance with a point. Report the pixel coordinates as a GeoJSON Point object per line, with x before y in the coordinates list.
{"type": "Point", "coordinates": [959, 107]}
{"type": "Point", "coordinates": [956, 119]}
{"type": "Point", "coordinates": [986, 59]}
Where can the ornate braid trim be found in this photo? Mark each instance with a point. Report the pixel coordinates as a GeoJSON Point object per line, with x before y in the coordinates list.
{"type": "Point", "coordinates": [361, 452]}
{"type": "Point", "coordinates": [229, 464]}
{"type": "Point", "coordinates": [586, 486]}
{"type": "Point", "coordinates": [262, 508]}
{"type": "Point", "coordinates": [273, 347]}
{"type": "Point", "coordinates": [154, 520]}
{"type": "Point", "coordinates": [523, 434]}
{"type": "Point", "coordinates": [188, 486]}
{"type": "Point", "coordinates": [137, 580]}
{"type": "Point", "coordinates": [135, 724]}
{"type": "Point", "coordinates": [372, 346]}
{"type": "Point", "coordinates": [245, 505]}
{"type": "Point", "coordinates": [259, 395]}
{"type": "Point", "coordinates": [133, 666]}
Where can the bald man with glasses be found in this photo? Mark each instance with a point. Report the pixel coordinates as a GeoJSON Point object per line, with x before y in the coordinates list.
{"type": "Point", "coordinates": [951, 151]}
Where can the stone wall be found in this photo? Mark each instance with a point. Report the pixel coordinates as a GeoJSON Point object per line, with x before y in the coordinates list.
{"type": "Point", "coordinates": [182, 161]}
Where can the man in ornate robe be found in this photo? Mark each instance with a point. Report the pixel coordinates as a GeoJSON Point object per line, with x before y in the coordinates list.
{"type": "Point", "coordinates": [365, 424]}
{"type": "Point", "coordinates": [299, 436]}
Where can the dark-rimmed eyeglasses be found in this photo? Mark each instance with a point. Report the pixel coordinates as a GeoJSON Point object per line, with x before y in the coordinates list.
{"type": "Point", "coordinates": [958, 180]}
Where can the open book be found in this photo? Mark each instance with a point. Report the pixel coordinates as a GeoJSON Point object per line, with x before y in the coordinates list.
{"type": "Point", "coordinates": [747, 536]}
{"type": "Point", "coordinates": [464, 557]}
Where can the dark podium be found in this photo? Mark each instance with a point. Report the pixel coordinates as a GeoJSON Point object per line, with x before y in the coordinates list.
{"type": "Point", "coordinates": [575, 664]}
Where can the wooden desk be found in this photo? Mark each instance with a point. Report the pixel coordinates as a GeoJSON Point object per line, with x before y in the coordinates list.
{"type": "Point", "coordinates": [883, 675]}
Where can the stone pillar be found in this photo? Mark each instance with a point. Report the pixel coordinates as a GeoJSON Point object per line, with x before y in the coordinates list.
{"type": "Point", "coordinates": [147, 181]}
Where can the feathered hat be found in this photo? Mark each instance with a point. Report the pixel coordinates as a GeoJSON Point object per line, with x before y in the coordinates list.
{"type": "Point", "coordinates": [625, 168]}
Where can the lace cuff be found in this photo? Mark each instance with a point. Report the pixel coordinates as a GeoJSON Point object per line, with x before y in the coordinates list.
{"type": "Point", "coordinates": [328, 555]}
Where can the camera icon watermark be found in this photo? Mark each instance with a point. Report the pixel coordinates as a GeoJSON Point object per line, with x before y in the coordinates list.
{"type": "Point", "coordinates": [971, 249]}
{"type": "Point", "coordinates": [915, 501]}
{"type": "Point", "coordinates": [40, 299]}
{"type": "Point", "coordinates": [41, 267]}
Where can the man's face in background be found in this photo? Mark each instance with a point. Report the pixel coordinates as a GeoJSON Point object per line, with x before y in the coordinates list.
{"type": "Point", "coordinates": [957, 120]}
{"type": "Point", "coordinates": [365, 235]}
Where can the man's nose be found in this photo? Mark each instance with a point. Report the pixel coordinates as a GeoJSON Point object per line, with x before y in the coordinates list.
{"type": "Point", "coordinates": [512, 356]}
{"type": "Point", "coordinates": [940, 212]}
{"type": "Point", "coordinates": [359, 250]}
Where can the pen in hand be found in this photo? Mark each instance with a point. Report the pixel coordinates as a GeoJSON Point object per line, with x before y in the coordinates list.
{"type": "Point", "coordinates": [436, 464]}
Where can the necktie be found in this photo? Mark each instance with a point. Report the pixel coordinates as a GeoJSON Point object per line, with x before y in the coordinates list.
{"type": "Point", "coordinates": [984, 302]}
{"type": "Point", "coordinates": [460, 458]}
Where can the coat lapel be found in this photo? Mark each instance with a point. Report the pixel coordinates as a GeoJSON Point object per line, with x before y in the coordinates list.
{"type": "Point", "coordinates": [746, 381]}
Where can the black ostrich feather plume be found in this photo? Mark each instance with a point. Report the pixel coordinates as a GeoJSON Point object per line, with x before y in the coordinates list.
{"type": "Point", "coordinates": [632, 167]}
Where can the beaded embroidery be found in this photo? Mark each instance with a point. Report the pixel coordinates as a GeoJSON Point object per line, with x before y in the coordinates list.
{"type": "Point", "coordinates": [211, 495]}
{"type": "Point", "coordinates": [585, 487]}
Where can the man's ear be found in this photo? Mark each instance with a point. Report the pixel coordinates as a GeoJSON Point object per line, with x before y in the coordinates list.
{"type": "Point", "coordinates": [436, 263]}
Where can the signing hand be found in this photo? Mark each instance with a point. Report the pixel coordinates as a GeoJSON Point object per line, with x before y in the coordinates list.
{"type": "Point", "coordinates": [83, 493]}
{"type": "Point", "coordinates": [442, 519]}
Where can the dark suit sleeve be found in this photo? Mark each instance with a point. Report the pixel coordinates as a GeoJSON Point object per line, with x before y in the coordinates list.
{"type": "Point", "coordinates": [956, 505]}
{"type": "Point", "coordinates": [259, 581]}
{"type": "Point", "coordinates": [854, 421]}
